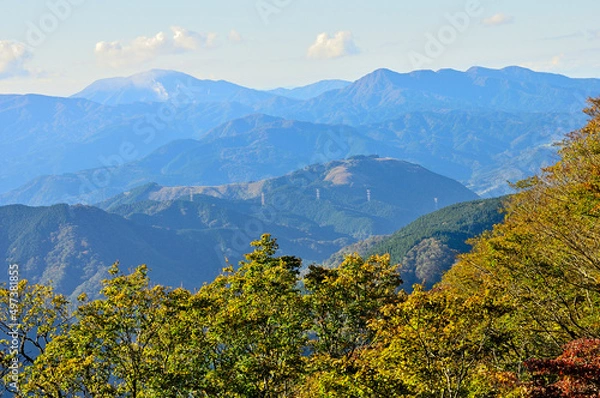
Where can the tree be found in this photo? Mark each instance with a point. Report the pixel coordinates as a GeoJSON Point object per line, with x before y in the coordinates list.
{"type": "Point", "coordinates": [574, 374]}
{"type": "Point", "coordinates": [31, 316]}
{"type": "Point", "coordinates": [255, 326]}
{"type": "Point", "coordinates": [127, 344]}
{"type": "Point", "coordinates": [343, 302]}
{"type": "Point", "coordinates": [442, 344]}
{"type": "Point", "coordinates": [543, 262]}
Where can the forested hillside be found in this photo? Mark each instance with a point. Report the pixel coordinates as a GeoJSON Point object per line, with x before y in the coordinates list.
{"type": "Point", "coordinates": [428, 247]}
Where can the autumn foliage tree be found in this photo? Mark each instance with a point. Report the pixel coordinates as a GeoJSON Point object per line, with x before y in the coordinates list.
{"type": "Point", "coordinates": [573, 374]}
{"type": "Point", "coordinates": [543, 261]}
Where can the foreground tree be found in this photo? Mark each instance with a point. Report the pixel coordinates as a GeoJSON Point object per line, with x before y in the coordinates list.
{"type": "Point", "coordinates": [255, 326]}
{"type": "Point", "coordinates": [574, 374]}
{"type": "Point", "coordinates": [443, 345]}
{"type": "Point", "coordinates": [344, 302]}
{"type": "Point", "coordinates": [544, 260]}
{"type": "Point", "coordinates": [127, 344]}
{"type": "Point", "coordinates": [31, 316]}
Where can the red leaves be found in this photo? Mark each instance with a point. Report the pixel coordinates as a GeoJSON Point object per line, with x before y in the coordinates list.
{"type": "Point", "coordinates": [574, 374]}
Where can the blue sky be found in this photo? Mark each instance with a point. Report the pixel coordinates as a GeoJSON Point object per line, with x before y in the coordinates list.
{"type": "Point", "coordinates": [57, 47]}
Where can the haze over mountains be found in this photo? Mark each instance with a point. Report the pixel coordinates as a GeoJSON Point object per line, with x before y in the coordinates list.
{"type": "Point", "coordinates": [483, 127]}
{"type": "Point", "coordinates": [185, 233]}
{"type": "Point", "coordinates": [312, 90]}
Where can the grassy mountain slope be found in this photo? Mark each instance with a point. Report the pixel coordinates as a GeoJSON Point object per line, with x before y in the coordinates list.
{"type": "Point", "coordinates": [399, 193]}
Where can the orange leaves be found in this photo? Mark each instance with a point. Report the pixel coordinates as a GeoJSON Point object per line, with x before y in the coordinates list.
{"type": "Point", "coordinates": [574, 374]}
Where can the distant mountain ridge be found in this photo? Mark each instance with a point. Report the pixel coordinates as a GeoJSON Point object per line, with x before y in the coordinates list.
{"type": "Point", "coordinates": [362, 186]}
{"type": "Point", "coordinates": [311, 90]}
{"type": "Point", "coordinates": [71, 135]}
{"type": "Point", "coordinates": [483, 150]}
{"type": "Point", "coordinates": [64, 135]}
{"type": "Point", "coordinates": [383, 94]}
{"type": "Point", "coordinates": [252, 148]}
{"type": "Point", "coordinates": [168, 86]}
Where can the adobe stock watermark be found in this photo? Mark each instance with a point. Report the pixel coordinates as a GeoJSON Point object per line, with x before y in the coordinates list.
{"type": "Point", "coordinates": [437, 43]}
{"type": "Point", "coordinates": [14, 328]}
{"type": "Point", "coordinates": [57, 12]}
{"type": "Point", "coordinates": [267, 8]}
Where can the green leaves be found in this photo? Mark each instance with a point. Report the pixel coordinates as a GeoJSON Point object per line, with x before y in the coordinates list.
{"type": "Point", "coordinates": [255, 325]}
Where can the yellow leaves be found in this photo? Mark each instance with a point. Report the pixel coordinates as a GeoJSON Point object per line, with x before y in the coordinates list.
{"type": "Point", "coordinates": [83, 297]}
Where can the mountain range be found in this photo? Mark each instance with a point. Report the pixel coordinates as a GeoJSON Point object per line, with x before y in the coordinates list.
{"type": "Point", "coordinates": [185, 233]}
{"type": "Point", "coordinates": [514, 115]}
{"type": "Point", "coordinates": [181, 173]}
{"type": "Point", "coordinates": [169, 86]}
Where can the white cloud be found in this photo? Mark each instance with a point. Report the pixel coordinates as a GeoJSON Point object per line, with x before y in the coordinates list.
{"type": "Point", "coordinates": [341, 44]}
{"type": "Point", "coordinates": [557, 60]}
{"type": "Point", "coordinates": [188, 40]}
{"type": "Point", "coordinates": [143, 49]}
{"type": "Point", "coordinates": [558, 63]}
{"type": "Point", "coordinates": [235, 36]}
{"type": "Point", "coordinates": [498, 19]}
{"type": "Point", "coordinates": [13, 56]}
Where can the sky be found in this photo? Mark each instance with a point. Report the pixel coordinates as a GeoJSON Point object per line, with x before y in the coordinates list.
{"type": "Point", "coordinates": [58, 47]}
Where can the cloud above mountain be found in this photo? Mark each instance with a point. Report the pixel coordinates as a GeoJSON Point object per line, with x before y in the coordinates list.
{"type": "Point", "coordinates": [339, 45]}
{"type": "Point", "coordinates": [143, 49]}
{"type": "Point", "coordinates": [13, 56]}
{"type": "Point", "coordinates": [499, 19]}
{"type": "Point", "coordinates": [235, 36]}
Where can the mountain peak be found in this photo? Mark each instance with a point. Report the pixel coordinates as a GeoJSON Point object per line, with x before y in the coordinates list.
{"type": "Point", "coordinates": [160, 85]}
{"type": "Point", "coordinates": [380, 75]}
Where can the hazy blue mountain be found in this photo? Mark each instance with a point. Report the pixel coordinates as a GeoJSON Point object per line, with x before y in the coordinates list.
{"type": "Point", "coordinates": [427, 247]}
{"type": "Point", "coordinates": [483, 149]}
{"type": "Point", "coordinates": [384, 94]}
{"type": "Point", "coordinates": [184, 233]}
{"type": "Point", "coordinates": [168, 86]}
{"type": "Point", "coordinates": [252, 148]}
{"type": "Point", "coordinates": [311, 90]}
{"type": "Point", "coordinates": [42, 135]}
{"type": "Point", "coordinates": [489, 126]}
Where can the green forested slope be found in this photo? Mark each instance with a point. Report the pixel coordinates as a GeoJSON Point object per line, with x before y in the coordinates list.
{"type": "Point", "coordinates": [428, 247]}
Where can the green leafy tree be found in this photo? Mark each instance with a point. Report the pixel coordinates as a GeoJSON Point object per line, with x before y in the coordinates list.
{"type": "Point", "coordinates": [255, 326]}
{"type": "Point", "coordinates": [343, 302]}
{"type": "Point", "coordinates": [441, 344]}
{"type": "Point", "coordinates": [31, 316]}
{"type": "Point", "coordinates": [127, 344]}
